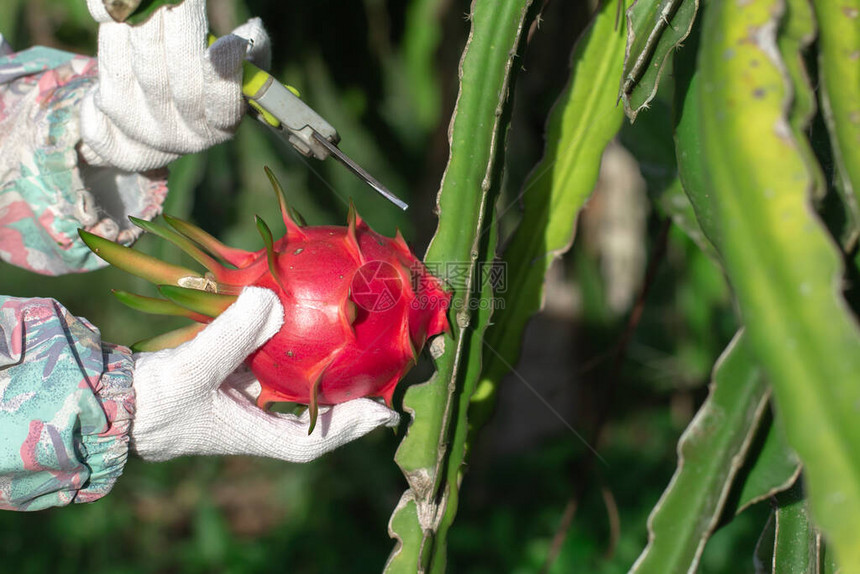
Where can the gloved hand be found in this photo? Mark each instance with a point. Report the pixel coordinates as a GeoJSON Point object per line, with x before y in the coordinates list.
{"type": "Point", "coordinates": [162, 92]}
{"type": "Point", "coordinates": [197, 399]}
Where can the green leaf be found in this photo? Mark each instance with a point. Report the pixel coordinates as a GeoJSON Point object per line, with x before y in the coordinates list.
{"type": "Point", "coordinates": [462, 425]}
{"type": "Point", "coordinates": [828, 562]}
{"type": "Point", "coordinates": [710, 454]}
{"type": "Point", "coordinates": [135, 262]}
{"type": "Point", "coordinates": [655, 29]}
{"type": "Point", "coordinates": [790, 542]}
{"type": "Point", "coordinates": [167, 340]}
{"type": "Point", "coordinates": [783, 265]}
{"type": "Point", "coordinates": [231, 255]}
{"type": "Point", "coordinates": [651, 141]}
{"type": "Point", "coordinates": [839, 43]}
{"type": "Point", "coordinates": [145, 10]}
{"type": "Point", "coordinates": [688, 144]}
{"type": "Point", "coordinates": [763, 557]}
{"type": "Point", "coordinates": [405, 525]}
{"type": "Point", "coordinates": [178, 240]}
{"type": "Point", "coordinates": [290, 217]}
{"type": "Point", "coordinates": [796, 33]}
{"type": "Point", "coordinates": [266, 234]}
{"type": "Point", "coordinates": [585, 118]}
{"type": "Point", "coordinates": [771, 467]}
{"type": "Point", "coordinates": [155, 305]}
{"type": "Point", "coordinates": [675, 203]}
{"type": "Point", "coordinates": [464, 237]}
{"type": "Point", "coordinates": [205, 303]}
{"type": "Point", "coordinates": [797, 543]}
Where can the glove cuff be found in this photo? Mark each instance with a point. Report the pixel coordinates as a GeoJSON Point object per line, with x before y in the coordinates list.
{"type": "Point", "coordinates": [158, 431]}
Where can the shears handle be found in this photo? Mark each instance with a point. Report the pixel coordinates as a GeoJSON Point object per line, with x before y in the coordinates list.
{"type": "Point", "coordinates": [280, 107]}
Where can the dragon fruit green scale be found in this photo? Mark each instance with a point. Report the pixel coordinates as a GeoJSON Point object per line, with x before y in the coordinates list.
{"type": "Point", "coordinates": [358, 306]}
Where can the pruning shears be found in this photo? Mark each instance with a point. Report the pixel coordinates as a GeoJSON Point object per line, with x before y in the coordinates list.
{"type": "Point", "coordinates": [279, 108]}
{"type": "Point", "coordinates": [276, 105]}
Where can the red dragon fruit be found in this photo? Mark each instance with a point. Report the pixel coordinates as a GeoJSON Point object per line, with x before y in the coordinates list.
{"type": "Point", "coordinates": [358, 306]}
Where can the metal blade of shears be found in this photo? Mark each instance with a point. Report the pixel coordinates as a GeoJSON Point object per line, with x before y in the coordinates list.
{"type": "Point", "coordinates": [359, 171]}
{"type": "Point", "coordinates": [280, 108]}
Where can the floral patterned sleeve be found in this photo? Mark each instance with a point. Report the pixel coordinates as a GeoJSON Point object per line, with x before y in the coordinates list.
{"type": "Point", "coordinates": [47, 192]}
{"type": "Point", "coordinates": [66, 405]}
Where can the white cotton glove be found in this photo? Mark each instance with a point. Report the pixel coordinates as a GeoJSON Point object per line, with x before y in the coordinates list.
{"type": "Point", "coordinates": [162, 92]}
{"type": "Point", "coordinates": [196, 400]}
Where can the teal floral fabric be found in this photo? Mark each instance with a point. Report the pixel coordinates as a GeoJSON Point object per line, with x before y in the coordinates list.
{"type": "Point", "coordinates": [47, 192]}
{"type": "Point", "coordinates": [66, 405]}
{"type": "Point", "coordinates": [66, 397]}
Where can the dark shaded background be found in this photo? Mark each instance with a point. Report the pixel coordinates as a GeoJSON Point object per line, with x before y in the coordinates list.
{"type": "Point", "coordinates": [385, 74]}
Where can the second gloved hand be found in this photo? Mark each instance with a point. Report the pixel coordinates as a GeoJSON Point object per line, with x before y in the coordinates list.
{"type": "Point", "coordinates": [197, 399]}
{"type": "Point", "coordinates": [162, 92]}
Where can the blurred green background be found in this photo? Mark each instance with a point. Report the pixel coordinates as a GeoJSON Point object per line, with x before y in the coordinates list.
{"type": "Point", "coordinates": [534, 499]}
